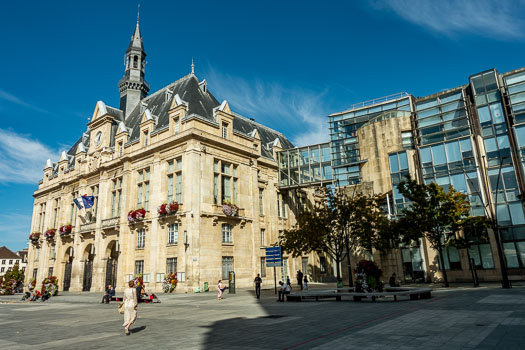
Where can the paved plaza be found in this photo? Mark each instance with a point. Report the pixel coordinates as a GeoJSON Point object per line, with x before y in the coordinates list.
{"type": "Point", "coordinates": [456, 318]}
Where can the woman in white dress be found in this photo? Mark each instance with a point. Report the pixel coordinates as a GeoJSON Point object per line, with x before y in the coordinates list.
{"type": "Point", "coordinates": [130, 306]}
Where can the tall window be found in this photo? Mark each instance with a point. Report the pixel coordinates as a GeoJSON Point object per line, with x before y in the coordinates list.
{"type": "Point", "coordinates": [141, 238]}
{"type": "Point", "coordinates": [37, 254]}
{"type": "Point", "coordinates": [139, 267]}
{"type": "Point", "coordinates": [227, 266]}
{"type": "Point", "coordinates": [173, 234]}
{"type": "Point", "coordinates": [281, 207]}
{"type": "Point", "coordinates": [53, 252]}
{"type": "Point", "coordinates": [73, 209]}
{"type": "Point", "coordinates": [35, 273]}
{"type": "Point", "coordinates": [50, 271]}
{"type": "Point", "coordinates": [120, 149]}
{"type": "Point", "coordinates": [261, 202]}
{"type": "Point", "coordinates": [94, 193]}
{"type": "Point", "coordinates": [143, 189]}
{"type": "Point", "coordinates": [175, 180]}
{"type": "Point", "coordinates": [42, 217]}
{"type": "Point", "coordinates": [225, 182]}
{"type": "Point", "coordinates": [224, 130]}
{"type": "Point", "coordinates": [227, 236]}
{"type": "Point", "coordinates": [146, 138]}
{"type": "Point", "coordinates": [56, 211]}
{"type": "Point", "coordinates": [322, 264]}
{"type": "Point", "coordinates": [171, 265]}
{"type": "Point", "coordinates": [116, 195]}
{"type": "Point", "coordinates": [263, 240]}
{"type": "Point", "coordinates": [263, 267]}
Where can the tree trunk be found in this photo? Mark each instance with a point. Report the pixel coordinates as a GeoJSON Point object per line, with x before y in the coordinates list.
{"type": "Point", "coordinates": [338, 267]}
{"type": "Point", "coordinates": [350, 281]}
{"type": "Point", "coordinates": [440, 252]}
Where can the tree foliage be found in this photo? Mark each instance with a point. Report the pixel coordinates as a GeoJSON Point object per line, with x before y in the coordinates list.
{"type": "Point", "coordinates": [432, 214]}
{"type": "Point", "coordinates": [12, 280]}
{"type": "Point", "coordinates": [337, 222]}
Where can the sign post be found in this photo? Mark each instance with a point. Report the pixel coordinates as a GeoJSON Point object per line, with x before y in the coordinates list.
{"type": "Point", "coordinates": [274, 259]}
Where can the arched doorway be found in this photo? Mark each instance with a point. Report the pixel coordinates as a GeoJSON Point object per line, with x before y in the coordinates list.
{"type": "Point", "coordinates": [89, 255]}
{"type": "Point", "coordinates": [111, 264]}
{"type": "Point", "coordinates": [68, 258]}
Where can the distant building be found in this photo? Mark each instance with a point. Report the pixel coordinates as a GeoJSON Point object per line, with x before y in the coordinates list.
{"type": "Point", "coordinates": [8, 260]}
{"type": "Point", "coordinates": [23, 255]}
{"type": "Point", "coordinates": [178, 144]}
{"type": "Point", "coordinates": [471, 137]}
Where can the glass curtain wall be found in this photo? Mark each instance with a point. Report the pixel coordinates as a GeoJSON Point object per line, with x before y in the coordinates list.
{"type": "Point", "coordinates": [305, 165]}
{"type": "Point", "coordinates": [514, 237]}
{"type": "Point", "coordinates": [343, 135]}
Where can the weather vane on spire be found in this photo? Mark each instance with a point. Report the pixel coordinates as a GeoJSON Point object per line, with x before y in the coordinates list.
{"type": "Point", "coordinates": [192, 67]}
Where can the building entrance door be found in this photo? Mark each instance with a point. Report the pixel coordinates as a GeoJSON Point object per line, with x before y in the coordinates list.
{"type": "Point", "coordinates": [88, 271]}
{"type": "Point", "coordinates": [111, 272]}
{"type": "Point", "coordinates": [67, 276]}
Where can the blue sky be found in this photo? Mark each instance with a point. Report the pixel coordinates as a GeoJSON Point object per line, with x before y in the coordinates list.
{"type": "Point", "coordinates": [288, 64]}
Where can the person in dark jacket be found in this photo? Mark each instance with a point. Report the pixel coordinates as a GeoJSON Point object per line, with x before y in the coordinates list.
{"type": "Point", "coordinates": [110, 292]}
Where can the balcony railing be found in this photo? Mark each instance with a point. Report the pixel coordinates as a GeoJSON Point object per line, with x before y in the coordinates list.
{"type": "Point", "coordinates": [111, 222]}
{"type": "Point", "coordinates": [88, 227]}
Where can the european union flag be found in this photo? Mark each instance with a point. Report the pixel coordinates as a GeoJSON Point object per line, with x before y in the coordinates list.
{"type": "Point", "coordinates": [88, 201]}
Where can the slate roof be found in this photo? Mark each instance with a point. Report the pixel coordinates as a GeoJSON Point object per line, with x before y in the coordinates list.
{"type": "Point", "coordinates": [201, 104]}
{"type": "Point", "coordinates": [5, 253]}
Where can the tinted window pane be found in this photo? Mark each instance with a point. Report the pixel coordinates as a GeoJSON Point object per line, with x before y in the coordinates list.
{"type": "Point", "coordinates": [497, 113]}
{"type": "Point", "coordinates": [403, 162]}
{"type": "Point", "coordinates": [438, 153]}
{"type": "Point", "coordinates": [484, 115]}
{"type": "Point", "coordinates": [453, 153]}
{"type": "Point", "coordinates": [520, 134]}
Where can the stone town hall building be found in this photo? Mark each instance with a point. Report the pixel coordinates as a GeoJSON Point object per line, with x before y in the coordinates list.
{"type": "Point", "coordinates": [177, 144]}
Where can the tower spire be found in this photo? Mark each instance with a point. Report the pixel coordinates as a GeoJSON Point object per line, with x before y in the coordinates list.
{"type": "Point", "coordinates": [192, 67]}
{"type": "Point", "coordinates": [132, 86]}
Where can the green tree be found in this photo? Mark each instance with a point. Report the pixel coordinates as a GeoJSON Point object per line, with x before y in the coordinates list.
{"type": "Point", "coordinates": [338, 224]}
{"type": "Point", "coordinates": [433, 213]}
{"type": "Point", "coordinates": [13, 279]}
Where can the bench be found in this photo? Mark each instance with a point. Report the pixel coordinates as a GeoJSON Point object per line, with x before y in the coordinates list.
{"type": "Point", "coordinates": [412, 293]}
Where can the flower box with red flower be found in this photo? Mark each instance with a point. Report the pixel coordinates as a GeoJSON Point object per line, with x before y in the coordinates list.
{"type": "Point", "coordinates": [65, 229]}
{"type": "Point", "coordinates": [230, 209]}
{"type": "Point", "coordinates": [50, 233]}
{"type": "Point", "coordinates": [168, 208]}
{"type": "Point", "coordinates": [136, 215]}
{"type": "Point", "coordinates": [34, 237]}
{"type": "Point", "coordinates": [170, 282]}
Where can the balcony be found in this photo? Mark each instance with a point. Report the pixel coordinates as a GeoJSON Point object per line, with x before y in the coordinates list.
{"type": "Point", "coordinates": [111, 225]}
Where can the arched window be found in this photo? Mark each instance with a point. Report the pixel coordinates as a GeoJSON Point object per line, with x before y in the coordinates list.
{"type": "Point", "coordinates": [227, 233]}
{"type": "Point", "coordinates": [135, 61]}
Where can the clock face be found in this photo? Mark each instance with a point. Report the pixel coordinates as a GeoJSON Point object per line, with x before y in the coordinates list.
{"type": "Point", "coordinates": [98, 138]}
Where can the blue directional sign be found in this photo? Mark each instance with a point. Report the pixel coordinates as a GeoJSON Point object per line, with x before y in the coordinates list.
{"type": "Point", "coordinates": [273, 257]}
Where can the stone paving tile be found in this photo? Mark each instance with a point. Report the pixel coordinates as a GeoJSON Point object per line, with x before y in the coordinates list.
{"type": "Point", "coordinates": [451, 319]}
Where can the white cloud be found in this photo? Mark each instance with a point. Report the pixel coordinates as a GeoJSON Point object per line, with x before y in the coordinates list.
{"type": "Point", "coordinates": [13, 99]}
{"type": "Point", "coordinates": [495, 19]}
{"type": "Point", "coordinates": [22, 158]}
{"type": "Point", "coordinates": [276, 106]}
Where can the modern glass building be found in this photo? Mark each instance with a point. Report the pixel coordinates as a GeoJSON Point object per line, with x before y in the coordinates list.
{"type": "Point", "coordinates": [471, 137]}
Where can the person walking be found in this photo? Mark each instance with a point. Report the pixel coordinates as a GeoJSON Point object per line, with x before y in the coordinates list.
{"type": "Point", "coordinates": [130, 306]}
{"type": "Point", "coordinates": [220, 289]}
{"type": "Point", "coordinates": [300, 279]}
{"type": "Point", "coordinates": [305, 282]}
{"type": "Point", "coordinates": [258, 283]}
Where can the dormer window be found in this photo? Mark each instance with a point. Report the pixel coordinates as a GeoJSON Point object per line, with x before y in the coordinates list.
{"type": "Point", "coordinates": [120, 149]}
{"type": "Point", "coordinates": [176, 126]}
{"type": "Point", "coordinates": [255, 146]}
{"type": "Point", "coordinates": [224, 130]}
{"type": "Point", "coordinates": [146, 138]}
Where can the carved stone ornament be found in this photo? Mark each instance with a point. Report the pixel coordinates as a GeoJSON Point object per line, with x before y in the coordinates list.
{"type": "Point", "coordinates": [93, 161]}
